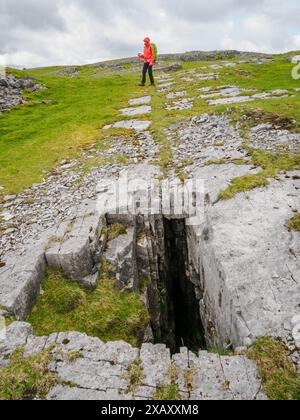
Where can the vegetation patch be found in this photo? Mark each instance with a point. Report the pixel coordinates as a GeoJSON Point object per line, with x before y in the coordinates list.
{"type": "Point", "coordinates": [294, 223]}
{"type": "Point", "coordinates": [170, 392]}
{"type": "Point", "coordinates": [221, 351]}
{"type": "Point", "coordinates": [104, 312]}
{"type": "Point", "coordinates": [134, 376]}
{"type": "Point", "coordinates": [271, 164]}
{"type": "Point", "coordinates": [258, 116]}
{"type": "Point", "coordinates": [27, 378]}
{"type": "Point", "coordinates": [279, 376]}
{"type": "Point", "coordinates": [116, 230]}
{"type": "Point", "coordinates": [60, 129]}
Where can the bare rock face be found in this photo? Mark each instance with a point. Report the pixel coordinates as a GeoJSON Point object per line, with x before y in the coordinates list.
{"type": "Point", "coordinates": [75, 248]}
{"type": "Point", "coordinates": [121, 255]}
{"type": "Point", "coordinates": [251, 286]}
{"type": "Point", "coordinates": [11, 88]}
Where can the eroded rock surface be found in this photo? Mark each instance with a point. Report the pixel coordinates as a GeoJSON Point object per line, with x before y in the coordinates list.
{"type": "Point", "coordinates": [101, 371]}
{"type": "Point", "coordinates": [130, 124]}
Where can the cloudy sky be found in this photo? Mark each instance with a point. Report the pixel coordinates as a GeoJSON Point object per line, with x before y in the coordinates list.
{"type": "Point", "coordinates": [56, 32]}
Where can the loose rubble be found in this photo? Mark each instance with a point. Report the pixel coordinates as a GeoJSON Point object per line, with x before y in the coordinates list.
{"type": "Point", "coordinates": [11, 91]}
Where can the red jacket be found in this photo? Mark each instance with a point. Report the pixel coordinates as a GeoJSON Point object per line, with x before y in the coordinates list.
{"type": "Point", "coordinates": [149, 54]}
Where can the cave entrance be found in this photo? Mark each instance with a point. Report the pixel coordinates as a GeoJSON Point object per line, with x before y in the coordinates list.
{"type": "Point", "coordinates": [181, 326]}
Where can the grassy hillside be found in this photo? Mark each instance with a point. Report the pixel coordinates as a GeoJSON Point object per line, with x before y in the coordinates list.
{"type": "Point", "coordinates": [59, 122]}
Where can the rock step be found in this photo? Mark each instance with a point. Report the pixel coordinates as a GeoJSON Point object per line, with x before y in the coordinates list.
{"type": "Point", "coordinates": [137, 125]}
{"type": "Point", "coordinates": [101, 371]}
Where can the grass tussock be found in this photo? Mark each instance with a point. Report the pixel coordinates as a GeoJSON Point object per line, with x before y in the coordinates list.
{"type": "Point", "coordinates": [134, 375]}
{"type": "Point", "coordinates": [115, 230]}
{"type": "Point", "coordinates": [26, 378]}
{"type": "Point", "coordinates": [279, 377]}
{"type": "Point", "coordinates": [294, 223]}
{"type": "Point", "coordinates": [105, 312]}
{"type": "Point", "coordinates": [171, 391]}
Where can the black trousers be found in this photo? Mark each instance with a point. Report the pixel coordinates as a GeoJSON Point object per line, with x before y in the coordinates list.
{"type": "Point", "coordinates": [149, 69]}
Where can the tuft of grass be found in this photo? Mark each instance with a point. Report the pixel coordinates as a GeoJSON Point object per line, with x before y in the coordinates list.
{"type": "Point", "coordinates": [116, 230]}
{"type": "Point", "coordinates": [171, 391]}
{"type": "Point", "coordinates": [168, 393]}
{"type": "Point", "coordinates": [279, 376]}
{"type": "Point", "coordinates": [104, 312]}
{"type": "Point", "coordinates": [27, 378]}
{"type": "Point", "coordinates": [73, 356]}
{"type": "Point", "coordinates": [189, 378]}
{"type": "Point", "coordinates": [220, 351]}
{"type": "Point", "coordinates": [294, 223]}
{"type": "Point", "coordinates": [134, 375]}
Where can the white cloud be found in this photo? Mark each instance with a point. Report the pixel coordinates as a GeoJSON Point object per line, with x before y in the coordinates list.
{"type": "Point", "coordinates": [44, 32]}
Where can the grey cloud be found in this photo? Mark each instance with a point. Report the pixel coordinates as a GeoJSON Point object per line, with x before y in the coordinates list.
{"type": "Point", "coordinates": [39, 32]}
{"type": "Point", "coordinates": [33, 14]}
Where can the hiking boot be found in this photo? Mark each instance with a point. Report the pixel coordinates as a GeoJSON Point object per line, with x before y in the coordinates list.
{"type": "Point", "coordinates": [142, 84]}
{"type": "Point", "coordinates": [153, 84]}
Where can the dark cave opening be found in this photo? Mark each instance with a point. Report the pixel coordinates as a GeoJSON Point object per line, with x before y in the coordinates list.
{"type": "Point", "coordinates": [182, 326]}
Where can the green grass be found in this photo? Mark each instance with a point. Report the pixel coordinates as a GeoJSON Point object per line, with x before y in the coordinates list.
{"type": "Point", "coordinates": [279, 377]}
{"type": "Point", "coordinates": [168, 393]}
{"type": "Point", "coordinates": [171, 391]}
{"type": "Point", "coordinates": [134, 375]}
{"type": "Point", "coordinates": [35, 137]}
{"type": "Point", "coordinates": [26, 378]}
{"type": "Point", "coordinates": [115, 230]}
{"type": "Point", "coordinates": [104, 312]}
{"type": "Point", "coordinates": [271, 164]}
{"type": "Point", "coordinates": [294, 223]}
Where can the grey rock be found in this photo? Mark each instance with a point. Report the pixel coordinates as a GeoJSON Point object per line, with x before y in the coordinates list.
{"type": "Point", "coordinates": [77, 252]}
{"type": "Point", "coordinates": [16, 335]}
{"type": "Point", "coordinates": [141, 110]}
{"type": "Point", "coordinates": [121, 254]}
{"type": "Point", "coordinates": [130, 124]}
{"type": "Point", "coordinates": [11, 91]}
{"type": "Point", "coordinates": [140, 101]}
{"type": "Point", "coordinates": [20, 282]}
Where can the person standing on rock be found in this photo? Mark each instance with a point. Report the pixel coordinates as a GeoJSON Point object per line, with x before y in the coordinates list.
{"type": "Point", "coordinates": [149, 58]}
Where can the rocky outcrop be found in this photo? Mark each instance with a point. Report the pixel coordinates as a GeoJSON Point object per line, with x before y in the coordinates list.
{"type": "Point", "coordinates": [11, 91]}
{"type": "Point", "coordinates": [244, 289]}
{"type": "Point", "coordinates": [103, 371]}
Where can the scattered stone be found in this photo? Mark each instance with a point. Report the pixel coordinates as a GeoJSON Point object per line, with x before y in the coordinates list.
{"type": "Point", "coordinates": [11, 91]}
{"type": "Point", "coordinates": [271, 138]}
{"type": "Point", "coordinates": [71, 72]}
{"type": "Point", "coordinates": [207, 76]}
{"type": "Point", "coordinates": [181, 105]}
{"type": "Point", "coordinates": [175, 95]}
{"type": "Point", "coordinates": [165, 86]}
{"type": "Point", "coordinates": [207, 138]}
{"type": "Point", "coordinates": [172, 67]}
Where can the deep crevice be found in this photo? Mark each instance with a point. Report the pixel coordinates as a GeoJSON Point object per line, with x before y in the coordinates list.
{"type": "Point", "coordinates": [180, 324]}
